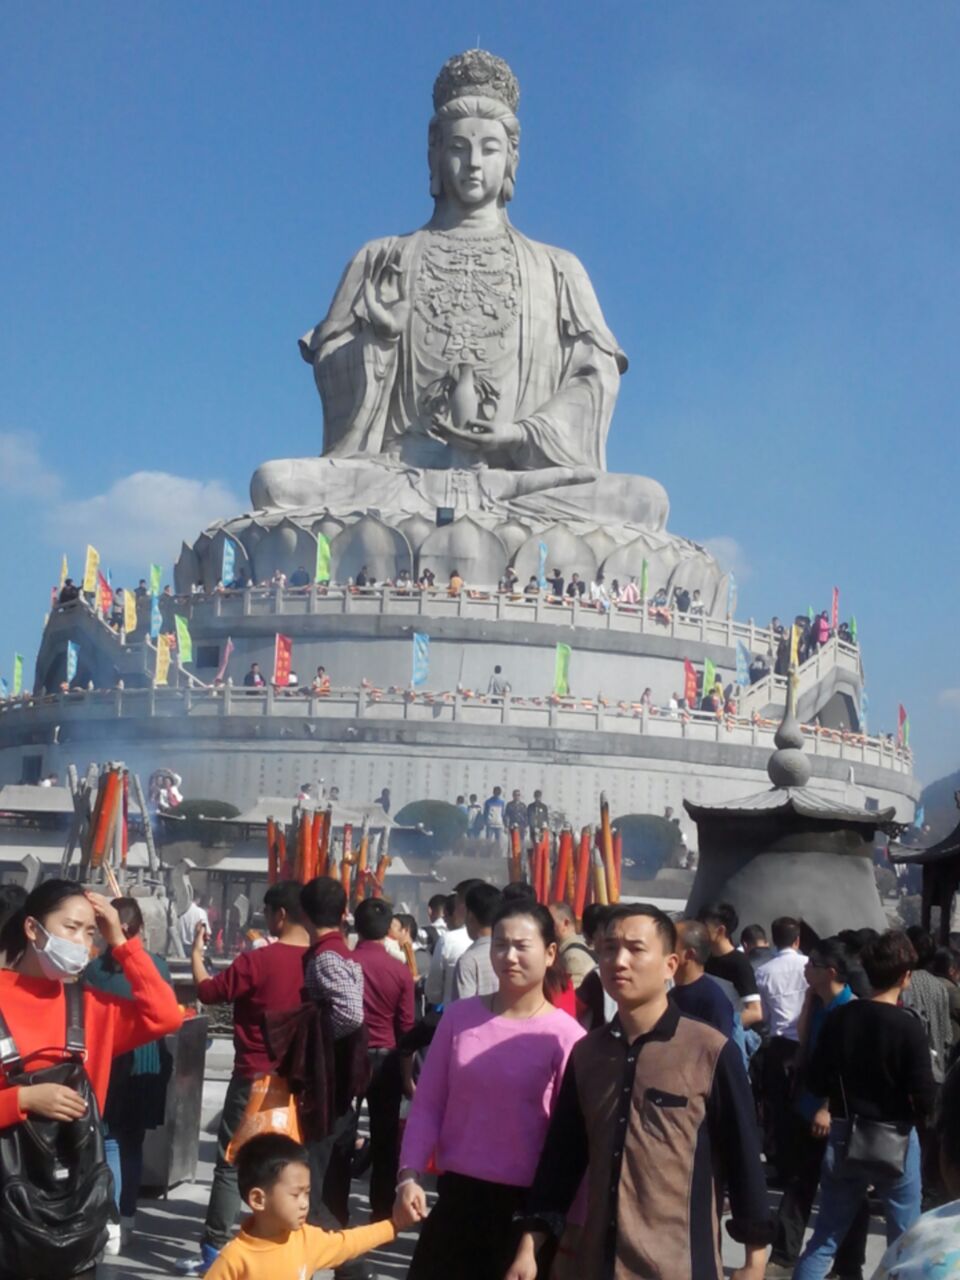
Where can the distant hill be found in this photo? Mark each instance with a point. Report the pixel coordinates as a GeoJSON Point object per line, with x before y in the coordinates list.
{"type": "Point", "coordinates": [939, 806]}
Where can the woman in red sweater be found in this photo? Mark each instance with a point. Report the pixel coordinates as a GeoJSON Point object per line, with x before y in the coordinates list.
{"type": "Point", "coordinates": [48, 942]}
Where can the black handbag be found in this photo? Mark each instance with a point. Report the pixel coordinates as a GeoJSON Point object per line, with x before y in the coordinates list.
{"type": "Point", "coordinates": [875, 1147]}
{"type": "Point", "coordinates": [56, 1191]}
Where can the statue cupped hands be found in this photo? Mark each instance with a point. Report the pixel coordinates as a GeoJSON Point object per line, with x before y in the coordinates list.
{"type": "Point", "coordinates": [384, 295]}
{"type": "Point", "coordinates": [485, 437]}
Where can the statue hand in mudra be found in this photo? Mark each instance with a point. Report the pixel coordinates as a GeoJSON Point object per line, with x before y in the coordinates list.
{"type": "Point", "coordinates": [385, 297]}
{"type": "Point", "coordinates": [484, 437]}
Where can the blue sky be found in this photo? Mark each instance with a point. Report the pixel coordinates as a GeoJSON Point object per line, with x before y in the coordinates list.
{"type": "Point", "coordinates": [767, 198]}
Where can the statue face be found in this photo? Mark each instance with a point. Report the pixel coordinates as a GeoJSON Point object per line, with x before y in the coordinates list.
{"type": "Point", "coordinates": [473, 161]}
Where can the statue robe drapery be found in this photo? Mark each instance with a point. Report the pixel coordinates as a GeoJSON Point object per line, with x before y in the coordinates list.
{"type": "Point", "coordinates": [569, 367]}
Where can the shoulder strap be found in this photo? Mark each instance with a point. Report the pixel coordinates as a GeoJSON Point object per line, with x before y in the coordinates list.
{"type": "Point", "coordinates": [76, 1040]}
{"type": "Point", "coordinates": [9, 1053]}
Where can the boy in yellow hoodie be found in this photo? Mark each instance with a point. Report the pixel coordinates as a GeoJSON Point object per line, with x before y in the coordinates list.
{"type": "Point", "coordinates": [275, 1242]}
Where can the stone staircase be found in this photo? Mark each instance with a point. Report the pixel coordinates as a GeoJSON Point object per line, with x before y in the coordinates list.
{"type": "Point", "coordinates": [835, 667]}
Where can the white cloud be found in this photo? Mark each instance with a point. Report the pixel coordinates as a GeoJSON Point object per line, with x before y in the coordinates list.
{"type": "Point", "coordinates": [23, 473]}
{"type": "Point", "coordinates": [949, 698]}
{"type": "Point", "coordinates": [731, 555]}
{"type": "Point", "coordinates": [142, 517]}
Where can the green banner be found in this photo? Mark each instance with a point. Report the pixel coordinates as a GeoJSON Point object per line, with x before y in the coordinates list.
{"type": "Point", "coordinates": [645, 580]}
{"type": "Point", "coordinates": [156, 573]}
{"type": "Point", "coordinates": [17, 674]}
{"type": "Point", "coordinates": [853, 626]}
{"type": "Point", "coordinates": [184, 642]}
{"type": "Point", "coordinates": [323, 560]}
{"type": "Point", "coordinates": [709, 677]}
{"type": "Point", "coordinates": [561, 671]}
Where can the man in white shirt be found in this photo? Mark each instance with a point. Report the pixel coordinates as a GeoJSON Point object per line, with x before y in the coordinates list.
{"type": "Point", "coordinates": [439, 987]}
{"type": "Point", "coordinates": [783, 989]}
{"type": "Point", "coordinates": [187, 924]}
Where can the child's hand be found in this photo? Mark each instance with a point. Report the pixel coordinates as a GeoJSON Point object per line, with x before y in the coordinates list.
{"type": "Point", "coordinates": [410, 1206]}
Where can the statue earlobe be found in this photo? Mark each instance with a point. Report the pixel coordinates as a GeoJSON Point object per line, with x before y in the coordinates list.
{"type": "Point", "coordinates": [436, 186]}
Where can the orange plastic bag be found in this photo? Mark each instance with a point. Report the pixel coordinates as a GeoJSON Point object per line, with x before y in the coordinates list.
{"type": "Point", "coordinates": [272, 1108]}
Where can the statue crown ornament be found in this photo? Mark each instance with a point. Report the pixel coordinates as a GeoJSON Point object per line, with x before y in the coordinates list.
{"type": "Point", "coordinates": [476, 73]}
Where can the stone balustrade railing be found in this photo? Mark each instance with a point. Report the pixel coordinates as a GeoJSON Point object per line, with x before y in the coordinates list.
{"type": "Point", "coordinates": [376, 705]}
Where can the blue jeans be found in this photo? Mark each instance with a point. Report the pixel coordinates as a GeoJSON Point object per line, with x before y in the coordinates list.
{"type": "Point", "coordinates": [841, 1195]}
{"type": "Point", "coordinates": [124, 1153]}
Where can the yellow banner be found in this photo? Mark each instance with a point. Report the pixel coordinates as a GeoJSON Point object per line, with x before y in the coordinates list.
{"type": "Point", "coordinates": [129, 610]}
{"type": "Point", "coordinates": [163, 660]}
{"type": "Point", "coordinates": [794, 646]}
{"type": "Point", "coordinates": [90, 569]}
{"type": "Point", "coordinates": [64, 571]}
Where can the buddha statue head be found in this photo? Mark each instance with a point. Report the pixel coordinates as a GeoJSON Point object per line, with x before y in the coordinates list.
{"type": "Point", "coordinates": [474, 136]}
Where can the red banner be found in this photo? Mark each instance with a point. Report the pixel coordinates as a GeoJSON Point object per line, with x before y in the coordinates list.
{"type": "Point", "coordinates": [835, 610]}
{"type": "Point", "coordinates": [106, 595]}
{"type": "Point", "coordinates": [282, 659]}
{"type": "Point", "coordinates": [689, 683]}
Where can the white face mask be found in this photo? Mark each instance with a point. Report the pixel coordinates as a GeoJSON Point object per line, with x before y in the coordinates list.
{"type": "Point", "coordinates": [58, 957]}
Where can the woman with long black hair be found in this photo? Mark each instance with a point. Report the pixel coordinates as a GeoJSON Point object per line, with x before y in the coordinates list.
{"type": "Point", "coordinates": [57, 1043]}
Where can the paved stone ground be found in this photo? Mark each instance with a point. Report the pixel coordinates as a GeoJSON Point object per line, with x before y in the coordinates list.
{"type": "Point", "coordinates": [168, 1228]}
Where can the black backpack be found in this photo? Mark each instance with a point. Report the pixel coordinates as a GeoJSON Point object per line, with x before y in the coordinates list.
{"type": "Point", "coordinates": [56, 1192]}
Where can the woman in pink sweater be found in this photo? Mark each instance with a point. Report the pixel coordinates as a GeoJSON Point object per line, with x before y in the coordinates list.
{"type": "Point", "coordinates": [483, 1104]}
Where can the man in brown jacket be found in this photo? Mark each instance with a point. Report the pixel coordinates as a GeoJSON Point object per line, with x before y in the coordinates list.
{"type": "Point", "coordinates": [655, 1108]}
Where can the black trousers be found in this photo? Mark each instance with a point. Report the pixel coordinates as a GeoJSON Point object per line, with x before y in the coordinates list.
{"type": "Point", "coordinates": [777, 1091]}
{"type": "Point", "coordinates": [384, 1096]}
{"type": "Point", "coordinates": [802, 1180]}
{"type": "Point", "coordinates": [469, 1233]}
{"type": "Point", "coordinates": [330, 1163]}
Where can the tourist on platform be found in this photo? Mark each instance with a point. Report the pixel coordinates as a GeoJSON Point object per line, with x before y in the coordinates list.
{"type": "Point", "coordinates": [427, 580]}
{"type": "Point", "coordinates": [555, 583]}
{"type": "Point", "coordinates": [404, 582]}
{"type": "Point", "coordinates": [456, 582]}
{"type": "Point", "coordinates": [821, 631]}
{"type": "Point", "coordinates": [599, 593]}
{"type": "Point", "coordinates": [450, 947]}
{"type": "Point", "coordinates": [826, 972]}
{"type": "Point", "coordinates": [257, 982]}
{"type": "Point", "coordinates": [574, 957]}
{"type": "Point", "coordinates": [515, 814]}
{"type": "Point", "coordinates": [508, 583]}
{"type": "Point", "coordinates": [474, 975]}
{"type": "Point", "coordinates": [47, 943]}
{"type": "Point", "coordinates": [927, 997]}
{"type": "Point", "coordinates": [673, 706]}
{"type": "Point", "coordinates": [630, 594]}
{"type": "Point", "coordinates": [575, 587]}
{"type": "Point", "coordinates": [300, 577]}
{"type": "Point", "coordinates": [388, 1011]}
{"type": "Point", "coordinates": [321, 682]}
{"type": "Point", "coordinates": [697, 607]}
{"type": "Point", "coordinates": [754, 945]}
{"type": "Point", "coordinates": [363, 578]}
{"type": "Point", "coordinates": [254, 678]}
{"type": "Point", "coordinates": [498, 686]}
{"type": "Point", "coordinates": [695, 994]}
{"type": "Point", "coordinates": [538, 815]}
{"type": "Point", "coordinates": [470, 1113]}
{"type": "Point", "coordinates": [167, 606]}
{"type": "Point", "coordinates": [660, 599]}
{"type": "Point", "coordinates": [136, 1097]}
{"type": "Point", "coordinates": [275, 1242]}
{"type": "Point", "coordinates": [533, 586]}
{"type": "Point", "coordinates": [646, 698]}
{"type": "Point", "coordinates": [665, 1098]}
{"type": "Point", "coordinates": [872, 1062]}
{"type": "Point", "coordinates": [681, 599]}
{"type": "Point", "coordinates": [141, 592]}
{"type": "Point", "coordinates": [782, 984]}
{"type": "Point", "coordinates": [493, 818]}
{"type": "Point", "coordinates": [758, 668]}
{"type": "Point", "coordinates": [69, 591]}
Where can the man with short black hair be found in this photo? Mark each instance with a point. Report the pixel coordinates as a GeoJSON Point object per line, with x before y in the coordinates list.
{"type": "Point", "coordinates": [538, 815]}
{"type": "Point", "coordinates": [652, 1108]}
{"type": "Point", "coordinates": [388, 1013]}
{"type": "Point", "coordinates": [256, 982]}
{"type": "Point", "coordinates": [435, 912]}
{"type": "Point", "coordinates": [515, 815]}
{"type": "Point", "coordinates": [729, 966]}
{"type": "Point", "coordinates": [451, 945]}
{"type": "Point", "coordinates": [474, 974]}
{"type": "Point", "coordinates": [782, 984]}
{"type": "Point", "coordinates": [693, 992]}
{"type": "Point", "coordinates": [754, 944]}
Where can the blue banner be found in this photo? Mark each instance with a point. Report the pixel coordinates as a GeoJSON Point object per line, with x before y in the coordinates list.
{"type": "Point", "coordinates": [156, 617]}
{"type": "Point", "coordinates": [73, 654]}
{"type": "Point", "coordinates": [864, 708]}
{"type": "Point", "coordinates": [229, 570]}
{"type": "Point", "coordinates": [731, 598]}
{"type": "Point", "coordinates": [421, 658]}
{"type": "Point", "coordinates": [920, 816]}
{"type": "Point", "coordinates": [743, 665]}
{"type": "Point", "coordinates": [542, 567]}
{"type": "Point", "coordinates": [4, 687]}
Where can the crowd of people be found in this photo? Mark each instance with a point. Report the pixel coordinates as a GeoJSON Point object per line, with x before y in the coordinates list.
{"type": "Point", "coordinates": [587, 1094]}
